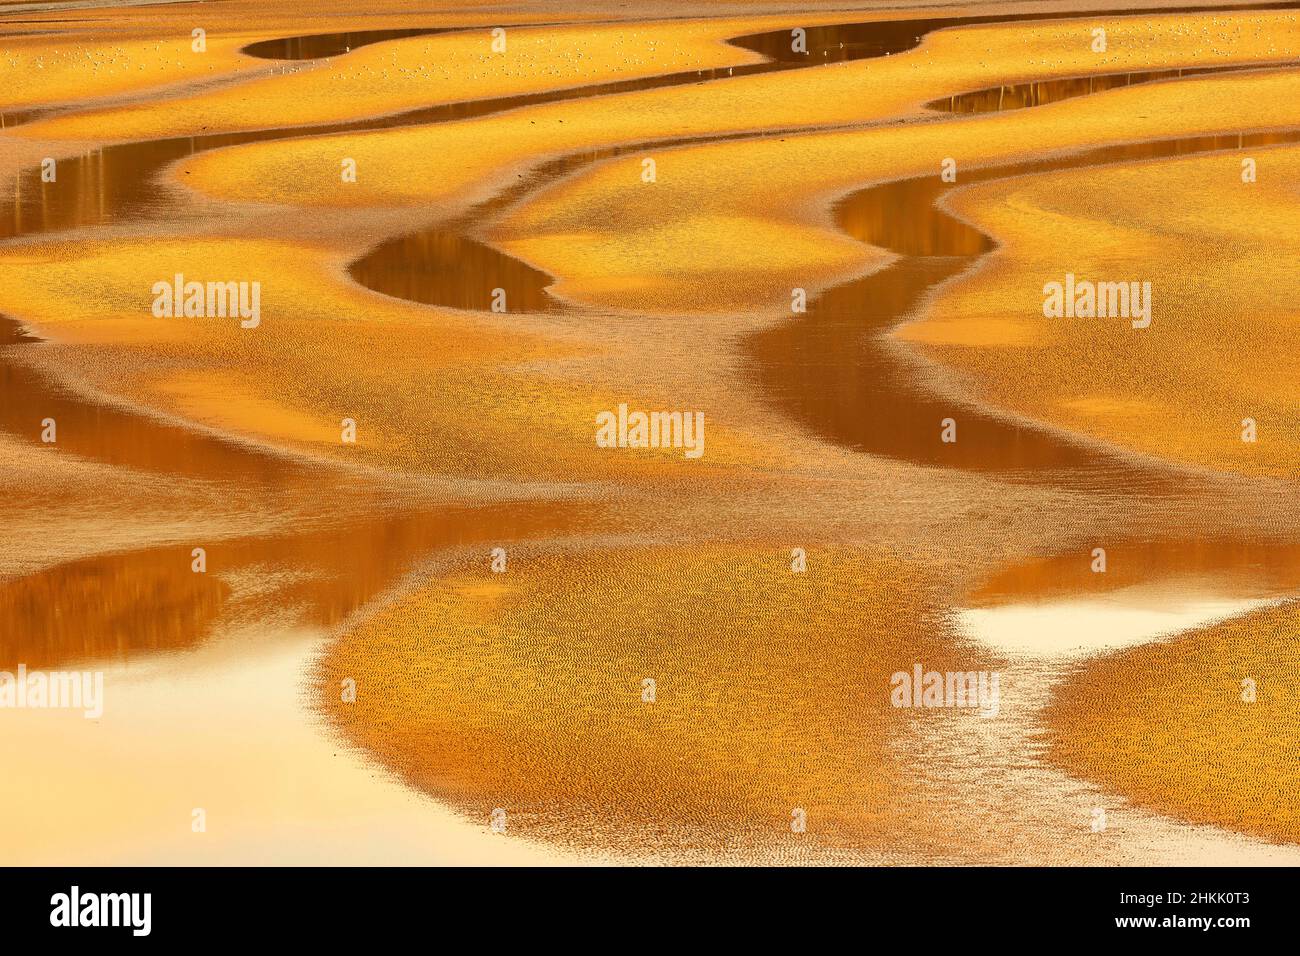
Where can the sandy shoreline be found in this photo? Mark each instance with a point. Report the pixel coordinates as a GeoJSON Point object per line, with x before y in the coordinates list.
{"type": "Point", "coordinates": [523, 690]}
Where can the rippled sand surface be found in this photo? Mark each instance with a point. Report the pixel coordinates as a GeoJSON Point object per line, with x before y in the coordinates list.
{"type": "Point", "coordinates": [1203, 727]}
{"type": "Point", "coordinates": [529, 691]}
{"type": "Point", "coordinates": [364, 585]}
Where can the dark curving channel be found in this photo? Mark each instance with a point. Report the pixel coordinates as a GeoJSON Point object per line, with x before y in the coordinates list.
{"type": "Point", "coordinates": [833, 370]}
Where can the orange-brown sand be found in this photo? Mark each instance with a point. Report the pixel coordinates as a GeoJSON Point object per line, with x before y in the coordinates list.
{"type": "Point", "coordinates": [522, 690]}
{"type": "Point", "coordinates": [527, 691]}
{"type": "Point", "coordinates": [1203, 727]}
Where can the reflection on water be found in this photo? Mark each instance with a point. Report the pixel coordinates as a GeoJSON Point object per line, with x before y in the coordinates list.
{"type": "Point", "coordinates": [102, 186]}
{"type": "Point", "coordinates": [834, 370]}
{"type": "Point", "coordinates": [106, 608]}
{"type": "Point", "coordinates": [13, 333]}
{"type": "Point", "coordinates": [840, 42]}
{"type": "Point", "coordinates": [1082, 627]}
{"type": "Point", "coordinates": [123, 606]}
{"type": "Point", "coordinates": [350, 544]}
{"type": "Point", "coordinates": [327, 562]}
{"type": "Point", "coordinates": [859, 41]}
{"type": "Point", "coordinates": [352, 560]}
{"type": "Point", "coordinates": [829, 368]}
{"type": "Point", "coordinates": [117, 182]}
{"type": "Point", "coordinates": [285, 793]}
{"type": "Point", "coordinates": [902, 216]}
{"type": "Point", "coordinates": [13, 118]}
{"type": "Point", "coordinates": [1018, 96]}
{"type": "Point", "coordinates": [1239, 568]}
{"type": "Point", "coordinates": [442, 267]}
{"type": "Point", "coordinates": [322, 45]}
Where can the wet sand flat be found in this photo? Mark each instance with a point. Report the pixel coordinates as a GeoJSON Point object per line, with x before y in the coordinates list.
{"type": "Point", "coordinates": [545, 709]}
{"type": "Point", "coordinates": [1227, 338]}
{"type": "Point", "coordinates": [1205, 727]}
{"type": "Point", "coordinates": [722, 191]}
{"type": "Point", "coordinates": [364, 577]}
{"type": "Point", "coordinates": [856, 92]}
{"type": "Point", "coordinates": [403, 74]}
